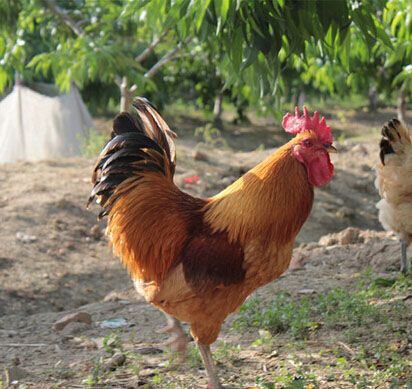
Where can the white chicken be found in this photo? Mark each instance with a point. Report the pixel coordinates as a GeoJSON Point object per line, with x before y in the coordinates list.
{"type": "Point", "coordinates": [394, 182]}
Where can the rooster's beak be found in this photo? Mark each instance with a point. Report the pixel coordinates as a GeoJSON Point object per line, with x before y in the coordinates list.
{"type": "Point", "coordinates": [331, 149]}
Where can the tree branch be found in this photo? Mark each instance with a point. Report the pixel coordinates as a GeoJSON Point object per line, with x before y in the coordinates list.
{"type": "Point", "coordinates": [149, 49]}
{"type": "Point", "coordinates": [164, 60]}
{"type": "Point", "coordinates": [62, 14]}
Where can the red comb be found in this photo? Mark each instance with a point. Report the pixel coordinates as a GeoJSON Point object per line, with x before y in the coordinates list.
{"type": "Point", "coordinates": [297, 123]}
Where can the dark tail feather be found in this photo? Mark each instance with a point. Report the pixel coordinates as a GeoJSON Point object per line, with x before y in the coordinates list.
{"type": "Point", "coordinates": [141, 141]}
{"type": "Point", "coordinates": [395, 137]}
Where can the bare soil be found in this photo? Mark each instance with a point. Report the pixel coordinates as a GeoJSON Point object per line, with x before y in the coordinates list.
{"type": "Point", "coordinates": [55, 259]}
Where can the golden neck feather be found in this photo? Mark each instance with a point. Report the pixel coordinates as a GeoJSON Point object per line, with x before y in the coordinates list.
{"type": "Point", "coordinates": [271, 201]}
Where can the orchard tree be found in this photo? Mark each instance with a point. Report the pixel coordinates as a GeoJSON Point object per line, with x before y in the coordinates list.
{"type": "Point", "coordinates": [128, 42]}
{"type": "Point", "coordinates": [370, 67]}
{"type": "Point", "coordinates": [82, 44]}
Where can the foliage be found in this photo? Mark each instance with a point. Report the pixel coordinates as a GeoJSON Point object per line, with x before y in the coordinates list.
{"type": "Point", "coordinates": [210, 136]}
{"type": "Point", "coordinates": [92, 143]}
{"type": "Point", "coordinates": [251, 48]}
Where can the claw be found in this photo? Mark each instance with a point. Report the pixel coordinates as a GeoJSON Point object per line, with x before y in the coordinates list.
{"type": "Point", "coordinates": [178, 341]}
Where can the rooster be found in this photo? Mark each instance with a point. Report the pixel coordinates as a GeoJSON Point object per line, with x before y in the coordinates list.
{"type": "Point", "coordinates": [195, 259]}
{"type": "Point", "coordinates": [395, 184]}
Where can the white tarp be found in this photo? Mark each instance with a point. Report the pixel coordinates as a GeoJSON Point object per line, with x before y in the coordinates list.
{"type": "Point", "coordinates": [36, 126]}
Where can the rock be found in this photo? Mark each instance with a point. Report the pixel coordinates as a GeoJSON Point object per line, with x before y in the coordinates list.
{"type": "Point", "coordinates": [147, 373]}
{"type": "Point", "coordinates": [148, 350]}
{"type": "Point", "coordinates": [306, 291]}
{"type": "Point", "coordinates": [350, 235]}
{"type": "Point", "coordinates": [359, 148]}
{"type": "Point", "coordinates": [86, 343]}
{"type": "Point", "coordinates": [200, 156]}
{"type": "Point", "coordinates": [328, 240]}
{"type": "Point", "coordinates": [226, 181]}
{"type": "Point", "coordinates": [344, 212]}
{"type": "Point", "coordinates": [81, 317]}
{"type": "Point", "coordinates": [74, 328]}
{"type": "Point", "coordinates": [14, 374]}
{"type": "Point", "coordinates": [298, 261]}
{"type": "Point", "coordinates": [96, 232]}
{"type": "Point", "coordinates": [114, 296]}
{"type": "Point", "coordinates": [25, 238]}
{"type": "Point", "coordinates": [118, 359]}
{"type": "Point", "coordinates": [116, 322]}
{"type": "Point", "coordinates": [365, 168]}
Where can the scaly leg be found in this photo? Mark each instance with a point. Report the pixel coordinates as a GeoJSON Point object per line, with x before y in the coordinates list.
{"type": "Point", "coordinates": [210, 367]}
{"type": "Point", "coordinates": [404, 258]}
{"type": "Point", "coordinates": [178, 341]}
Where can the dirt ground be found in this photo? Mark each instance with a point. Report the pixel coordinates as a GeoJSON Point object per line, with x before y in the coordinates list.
{"type": "Point", "coordinates": [55, 260]}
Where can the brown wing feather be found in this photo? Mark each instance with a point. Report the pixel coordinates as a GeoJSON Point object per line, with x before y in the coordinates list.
{"type": "Point", "coordinates": [210, 260]}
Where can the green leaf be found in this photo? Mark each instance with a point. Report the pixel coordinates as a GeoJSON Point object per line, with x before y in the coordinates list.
{"type": "Point", "coordinates": [203, 5]}
{"type": "Point", "coordinates": [222, 8]}
{"type": "Point", "coordinates": [383, 36]}
{"type": "Point", "coordinates": [346, 51]}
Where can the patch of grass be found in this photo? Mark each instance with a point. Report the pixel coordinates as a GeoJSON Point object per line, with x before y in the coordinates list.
{"type": "Point", "coordinates": [92, 143]}
{"type": "Point", "coordinates": [113, 342]}
{"type": "Point", "coordinates": [337, 309]}
{"type": "Point", "coordinates": [285, 379]}
{"type": "Point", "coordinates": [157, 379]}
{"type": "Point", "coordinates": [193, 357]}
{"type": "Point", "coordinates": [225, 351]}
{"type": "Point", "coordinates": [264, 341]}
{"type": "Point", "coordinates": [371, 315]}
{"type": "Point", "coordinates": [340, 309]}
{"type": "Point", "coordinates": [280, 315]}
{"type": "Point", "coordinates": [210, 136]}
{"type": "Point", "coordinates": [96, 375]}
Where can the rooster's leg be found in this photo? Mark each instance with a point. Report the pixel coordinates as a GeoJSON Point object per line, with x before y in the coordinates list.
{"type": "Point", "coordinates": [210, 367]}
{"type": "Point", "coordinates": [404, 258]}
{"type": "Point", "coordinates": [178, 341]}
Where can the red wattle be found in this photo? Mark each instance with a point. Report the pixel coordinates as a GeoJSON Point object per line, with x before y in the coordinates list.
{"type": "Point", "coordinates": [320, 169]}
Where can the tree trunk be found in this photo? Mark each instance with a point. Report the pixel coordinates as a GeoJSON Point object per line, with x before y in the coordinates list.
{"type": "Point", "coordinates": [125, 95]}
{"type": "Point", "coordinates": [301, 98]}
{"type": "Point", "coordinates": [373, 99]}
{"type": "Point", "coordinates": [402, 106]}
{"type": "Point", "coordinates": [217, 110]}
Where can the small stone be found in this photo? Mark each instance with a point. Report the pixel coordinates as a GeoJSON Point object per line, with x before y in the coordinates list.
{"type": "Point", "coordinates": [344, 212]}
{"type": "Point", "coordinates": [350, 236]}
{"type": "Point", "coordinates": [306, 291]}
{"type": "Point", "coordinates": [81, 317]}
{"type": "Point", "coordinates": [359, 148]}
{"type": "Point", "coordinates": [61, 251]}
{"type": "Point", "coordinates": [147, 373]}
{"type": "Point", "coordinates": [200, 156]}
{"type": "Point", "coordinates": [148, 350]}
{"type": "Point", "coordinates": [74, 328]}
{"type": "Point", "coordinates": [226, 181]}
{"type": "Point", "coordinates": [96, 232]}
{"type": "Point", "coordinates": [328, 240]}
{"type": "Point", "coordinates": [87, 343]}
{"type": "Point", "coordinates": [114, 362]}
{"type": "Point", "coordinates": [25, 238]}
{"type": "Point", "coordinates": [112, 296]}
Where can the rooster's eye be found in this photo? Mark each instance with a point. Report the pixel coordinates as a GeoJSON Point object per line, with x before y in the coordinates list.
{"type": "Point", "coordinates": [307, 143]}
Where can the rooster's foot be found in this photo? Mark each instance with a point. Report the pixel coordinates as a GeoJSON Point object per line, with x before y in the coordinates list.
{"type": "Point", "coordinates": [178, 341]}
